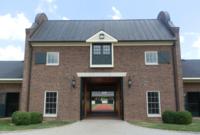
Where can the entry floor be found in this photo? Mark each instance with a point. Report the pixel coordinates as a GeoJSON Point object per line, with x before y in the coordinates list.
{"type": "Point", "coordinates": [98, 127]}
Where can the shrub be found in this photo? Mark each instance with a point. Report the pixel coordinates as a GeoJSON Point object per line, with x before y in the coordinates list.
{"type": "Point", "coordinates": [168, 117]}
{"type": "Point", "coordinates": [36, 117]}
{"type": "Point", "coordinates": [183, 117]}
{"type": "Point", "coordinates": [21, 118]}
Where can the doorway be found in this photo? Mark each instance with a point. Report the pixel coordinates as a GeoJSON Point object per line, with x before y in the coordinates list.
{"type": "Point", "coordinates": [101, 97]}
{"type": "Point", "coordinates": [9, 103]}
{"type": "Point", "coordinates": [193, 103]}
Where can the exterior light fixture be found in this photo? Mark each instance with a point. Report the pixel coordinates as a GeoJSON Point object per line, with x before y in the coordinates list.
{"type": "Point", "coordinates": [73, 83]}
{"type": "Point", "coordinates": [129, 82]}
{"type": "Point", "coordinates": [101, 36]}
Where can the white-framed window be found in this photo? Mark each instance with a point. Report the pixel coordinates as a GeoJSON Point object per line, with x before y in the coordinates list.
{"type": "Point", "coordinates": [151, 58]}
{"type": "Point", "coordinates": [153, 104]}
{"type": "Point", "coordinates": [52, 58]}
{"type": "Point", "coordinates": [50, 103]}
{"type": "Point", "coordinates": [101, 55]}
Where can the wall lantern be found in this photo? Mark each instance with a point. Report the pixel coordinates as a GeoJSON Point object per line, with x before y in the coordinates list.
{"type": "Point", "coordinates": [73, 83]}
{"type": "Point", "coordinates": [101, 36]}
{"type": "Point", "coordinates": [129, 82]}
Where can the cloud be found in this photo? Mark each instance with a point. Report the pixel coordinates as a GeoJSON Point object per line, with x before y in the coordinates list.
{"type": "Point", "coordinates": [182, 39]}
{"type": "Point", "coordinates": [11, 52]}
{"type": "Point", "coordinates": [46, 6]}
{"type": "Point", "coordinates": [13, 27]}
{"type": "Point", "coordinates": [196, 43]}
{"type": "Point", "coordinates": [191, 33]}
{"type": "Point", "coordinates": [117, 14]}
{"type": "Point", "coordinates": [65, 18]}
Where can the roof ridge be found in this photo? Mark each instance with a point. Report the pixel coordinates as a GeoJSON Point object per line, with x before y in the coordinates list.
{"type": "Point", "coordinates": [104, 20]}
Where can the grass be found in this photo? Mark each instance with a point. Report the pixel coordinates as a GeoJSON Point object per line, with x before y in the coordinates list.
{"type": "Point", "coordinates": [7, 125]}
{"type": "Point", "coordinates": [194, 126]}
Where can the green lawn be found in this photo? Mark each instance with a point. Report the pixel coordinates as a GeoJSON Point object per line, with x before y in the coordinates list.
{"type": "Point", "coordinates": [7, 125]}
{"type": "Point", "coordinates": [195, 126]}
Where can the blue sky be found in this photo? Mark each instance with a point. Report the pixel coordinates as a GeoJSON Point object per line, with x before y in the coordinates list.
{"type": "Point", "coordinates": [16, 15]}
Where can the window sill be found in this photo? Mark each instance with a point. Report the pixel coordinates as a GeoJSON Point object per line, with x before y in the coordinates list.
{"type": "Point", "coordinates": [52, 64]}
{"type": "Point", "coordinates": [101, 66]}
{"type": "Point", "coordinates": [50, 115]}
{"type": "Point", "coordinates": [154, 115]}
{"type": "Point", "coordinates": [151, 64]}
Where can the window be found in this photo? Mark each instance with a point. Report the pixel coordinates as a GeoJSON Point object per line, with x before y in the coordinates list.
{"type": "Point", "coordinates": [153, 104]}
{"type": "Point", "coordinates": [52, 58]}
{"type": "Point", "coordinates": [151, 58]}
{"type": "Point", "coordinates": [50, 107]}
{"type": "Point", "coordinates": [106, 49]}
{"type": "Point", "coordinates": [97, 50]}
{"type": "Point", "coordinates": [101, 55]}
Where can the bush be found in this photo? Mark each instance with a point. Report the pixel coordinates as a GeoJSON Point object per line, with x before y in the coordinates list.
{"type": "Point", "coordinates": [177, 117]}
{"type": "Point", "coordinates": [183, 117]}
{"type": "Point", "coordinates": [21, 118]}
{"type": "Point", "coordinates": [36, 117]}
{"type": "Point", "coordinates": [168, 117]}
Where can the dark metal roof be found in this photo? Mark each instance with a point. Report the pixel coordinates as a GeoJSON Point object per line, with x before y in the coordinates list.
{"type": "Point", "coordinates": [11, 69]}
{"type": "Point", "coordinates": [191, 68]}
{"type": "Point", "coordinates": [122, 30]}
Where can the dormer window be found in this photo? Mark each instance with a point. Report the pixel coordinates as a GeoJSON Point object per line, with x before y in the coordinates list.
{"type": "Point", "coordinates": [101, 55]}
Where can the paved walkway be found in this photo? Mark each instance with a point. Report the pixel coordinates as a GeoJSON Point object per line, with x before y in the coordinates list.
{"type": "Point", "coordinates": [98, 127]}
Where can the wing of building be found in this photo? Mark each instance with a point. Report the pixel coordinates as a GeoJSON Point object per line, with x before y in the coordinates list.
{"type": "Point", "coordinates": [134, 66]}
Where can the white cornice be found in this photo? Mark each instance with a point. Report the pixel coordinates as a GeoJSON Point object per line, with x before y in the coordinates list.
{"type": "Point", "coordinates": [96, 38]}
{"type": "Point", "coordinates": [101, 74]}
{"type": "Point", "coordinates": [191, 79]}
{"type": "Point", "coordinates": [11, 80]}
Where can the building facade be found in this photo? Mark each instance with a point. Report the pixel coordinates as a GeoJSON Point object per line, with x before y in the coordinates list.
{"type": "Point", "coordinates": [135, 65]}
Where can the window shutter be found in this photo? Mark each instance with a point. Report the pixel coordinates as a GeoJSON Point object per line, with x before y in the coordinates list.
{"type": "Point", "coordinates": [40, 58]}
{"type": "Point", "coordinates": [164, 57]}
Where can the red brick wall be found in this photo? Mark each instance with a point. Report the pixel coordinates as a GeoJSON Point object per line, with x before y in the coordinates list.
{"type": "Point", "coordinates": [128, 59]}
{"type": "Point", "coordinates": [191, 87]}
{"type": "Point", "coordinates": [10, 87]}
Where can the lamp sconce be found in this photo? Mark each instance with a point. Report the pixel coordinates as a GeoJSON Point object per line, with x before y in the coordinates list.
{"type": "Point", "coordinates": [129, 82]}
{"type": "Point", "coordinates": [73, 82]}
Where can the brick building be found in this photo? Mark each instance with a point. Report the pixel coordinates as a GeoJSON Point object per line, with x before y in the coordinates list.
{"type": "Point", "coordinates": [71, 65]}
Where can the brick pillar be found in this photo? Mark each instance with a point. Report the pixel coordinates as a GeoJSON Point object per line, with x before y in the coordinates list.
{"type": "Point", "coordinates": [24, 96]}
{"type": "Point", "coordinates": [178, 71]}
{"type": "Point", "coordinates": [26, 74]}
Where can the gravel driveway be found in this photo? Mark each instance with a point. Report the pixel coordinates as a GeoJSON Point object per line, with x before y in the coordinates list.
{"type": "Point", "coordinates": [98, 127]}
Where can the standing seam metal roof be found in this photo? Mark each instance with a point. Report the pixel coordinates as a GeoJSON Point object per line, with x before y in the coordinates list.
{"type": "Point", "coordinates": [11, 69]}
{"type": "Point", "coordinates": [122, 30]}
{"type": "Point", "coordinates": [191, 68]}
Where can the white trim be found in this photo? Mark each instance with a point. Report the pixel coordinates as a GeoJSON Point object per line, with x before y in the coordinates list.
{"type": "Point", "coordinates": [148, 63]}
{"type": "Point", "coordinates": [191, 79]}
{"type": "Point", "coordinates": [102, 66]}
{"type": "Point", "coordinates": [11, 80]}
{"type": "Point", "coordinates": [53, 64]}
{"type": "Point", "coordinates": [119, 43]}
{"type": "Point", "coordinates": [44, 111]}
{"type": "Point", "coordinates": [107, 38]}
{"type": "Point", "coordinates": [153, 115]}
{"type": "Point", "coordinates": [101, 74]}
{"type": "Point", "coordinates": [144, 43]}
